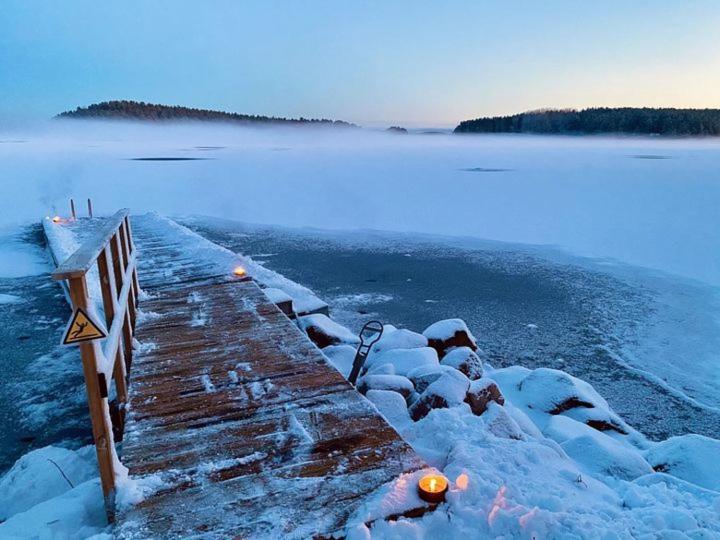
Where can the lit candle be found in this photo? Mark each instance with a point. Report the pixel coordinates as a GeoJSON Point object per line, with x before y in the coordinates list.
{"type": "Point", "coordinates": [432, 488]}
{"type": "Point", "coordinates": [239, 271]}
{"type": "Point", "coordinates": [56, 219]}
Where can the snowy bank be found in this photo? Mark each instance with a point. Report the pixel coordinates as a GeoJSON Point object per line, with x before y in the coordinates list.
{"type": "Point", "coordinates": [52, 493]}
{"type": "Point", "coordinates": [528, 453]}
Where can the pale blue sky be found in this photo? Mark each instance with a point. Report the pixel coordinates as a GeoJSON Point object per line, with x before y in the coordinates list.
{"type": "Point", "coordinates": [375, 63]}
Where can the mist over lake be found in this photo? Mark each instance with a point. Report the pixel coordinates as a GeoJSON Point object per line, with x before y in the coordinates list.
{"type": "Point", "coordinates": [592, 196]}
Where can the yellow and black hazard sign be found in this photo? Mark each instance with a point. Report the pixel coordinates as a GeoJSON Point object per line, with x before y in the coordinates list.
{"type": "Point", "coordinates": [82, 328]}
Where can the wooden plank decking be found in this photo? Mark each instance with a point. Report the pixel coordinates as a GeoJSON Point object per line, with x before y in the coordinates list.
{"type": "Point", "coordinates": [238, 426]}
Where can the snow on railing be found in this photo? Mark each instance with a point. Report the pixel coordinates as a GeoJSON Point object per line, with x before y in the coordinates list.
{"type": "Point", "coordinates": [111, 248]}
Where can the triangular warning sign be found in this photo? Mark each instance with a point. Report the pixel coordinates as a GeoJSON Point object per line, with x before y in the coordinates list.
{"type": "Point", "coordinates": [82, 328]}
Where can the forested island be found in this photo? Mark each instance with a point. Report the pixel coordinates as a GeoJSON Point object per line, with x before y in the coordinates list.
{"type": "Point", "coordinates": [623, 120]}
{"type": "Point", "coordinates": [138, 110]}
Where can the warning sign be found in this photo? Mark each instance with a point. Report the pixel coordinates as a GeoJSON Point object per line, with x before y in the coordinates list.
{"type": "Point", "coordinates": [82, 328]}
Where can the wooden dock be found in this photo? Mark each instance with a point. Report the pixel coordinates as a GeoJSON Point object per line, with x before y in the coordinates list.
{"type": "Point", "coordinates": [238, 426]}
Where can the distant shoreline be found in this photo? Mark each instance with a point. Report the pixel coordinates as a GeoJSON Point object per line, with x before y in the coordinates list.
{"type": "Point", "coordinates": [661, 122]}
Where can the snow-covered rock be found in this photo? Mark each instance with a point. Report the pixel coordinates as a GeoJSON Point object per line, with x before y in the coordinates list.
{"type": "Point", "coordinates": [43, 474]}
{"type": "Point", "coordinates": [382, 369]}
{"type": "Point", "coordinates": [449, 390]}
{"type": "Point", "coordinates": [563, 428]}
{"type": "Point", "coordinates": [691, 457]}
{"type": "Point", "coordinates": [464, 359]}
{"type": "Point", "coordinates": [603, 455]}
{"type": "Point", "coordinates": [424, 376]}
{"type": "Point", "coordinates": [554, 391]}
{"type": "Point", "coordinates": [396, 383]}
{"type": "Point", "coordinates": [404, 360]}
{"type": "Point", "coordinates": [341, 356]}
{"type": "Point", "coordinates": [481, 392]}
{"type": "Point", "coordinates": [448, 334]}
{"type": "Point", "coordinates": [392, 406]}
{"type": "Point", "coordinates": [394, 338]}
{"type": "Point", "coordinates": [323, 331]}
{"type": "Point", "coordinates": [500, 423]}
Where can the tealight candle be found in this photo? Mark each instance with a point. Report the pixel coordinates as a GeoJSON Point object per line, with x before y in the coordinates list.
{"type": "Point", "coordinates": [56, 219]}
{"type": "Point", "coordinates": [239, 271]}
{"type": "Point", "coordinates": [432, 488]}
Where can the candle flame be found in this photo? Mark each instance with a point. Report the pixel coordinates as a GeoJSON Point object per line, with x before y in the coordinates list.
{"type": "Point", "coordinates": [239, 271]}
{"type": "Point", "coordinates": [433, 484]}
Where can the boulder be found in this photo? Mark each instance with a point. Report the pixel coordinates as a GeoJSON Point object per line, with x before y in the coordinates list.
{"type": "Point", "coordinates": [555, 392]}
{"type": "Point", "coordinates": [693, 458]}
{"type": "Point", "coordinates": [447, 391]}
{"type": "Point", "coordinates": [382, 369]}
{"type": "Point", "coordinates": [500, 423]}
{"type": "Point", "coordinates": [424, 376]}
{"type": "Point", "coordinates": [448, 334]}
{"type": "Point", "coordinates": [394, 338]}
{"type": "Point", "coordinates": [465, 360]}
{"type": "Point", "coordinates": [392, 406]}
{"type": "Point", "coordinates": [323, 331]}
{"type": "Point", "coordinates": [480, 393]}
{"type": "Point", "coordinates": [404, 360]}
{"type": "Point", "coordinates": [395, 383]}
{"type": "Point", "coordinates": [602, 455]}
{"type": "Point", "coordinates": [341, 356]}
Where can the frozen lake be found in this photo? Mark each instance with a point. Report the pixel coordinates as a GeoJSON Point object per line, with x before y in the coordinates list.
{"type": "Point", "coordinates": [596, 255]}
{"type": "Point", "coordinates": [649, 202]}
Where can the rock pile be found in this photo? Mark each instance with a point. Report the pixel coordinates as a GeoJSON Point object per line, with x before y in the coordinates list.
{"type": "Point", "coordinates": [440, 368]}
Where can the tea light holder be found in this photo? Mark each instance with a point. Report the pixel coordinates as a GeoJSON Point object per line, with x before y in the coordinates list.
{"type": "Point", "coordinates": [432, 488]}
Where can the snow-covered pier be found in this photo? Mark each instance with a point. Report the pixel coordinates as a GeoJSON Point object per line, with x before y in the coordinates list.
{"type": "Point", "coordinates": [237, 425]}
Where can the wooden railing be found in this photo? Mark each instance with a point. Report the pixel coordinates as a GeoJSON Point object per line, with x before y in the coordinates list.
{"type": "Point", "coordinates": [111, 248]}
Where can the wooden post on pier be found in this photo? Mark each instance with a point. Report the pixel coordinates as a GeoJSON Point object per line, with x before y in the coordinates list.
{"type": "Point", "coordinates": [112, 249]}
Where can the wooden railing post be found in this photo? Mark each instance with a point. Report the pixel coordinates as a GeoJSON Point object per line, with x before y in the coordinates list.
{"type": "Point", "coordinates": [119, 267]}
{"type": "Point", "coordinates": [132, 250]}
{"type": "Point", "coordinates": [110, 297]}
{"type": "Point", "coordinates": [125, 244]}
{"type": "Point", "coordinates": [102, 430]}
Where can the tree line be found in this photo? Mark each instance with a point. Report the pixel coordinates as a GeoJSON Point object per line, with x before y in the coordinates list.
{"type": "Point", "coordinates": [626, 120]}
{"type": "Point", "coordinates": [139, 110]}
